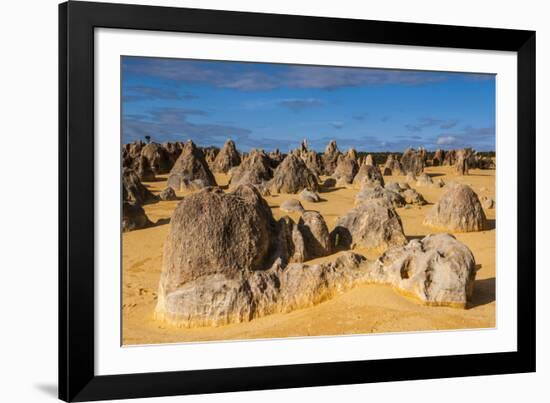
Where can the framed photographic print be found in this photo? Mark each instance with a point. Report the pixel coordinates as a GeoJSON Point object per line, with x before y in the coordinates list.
{"type": "Point", "coordinates": [258, 201]}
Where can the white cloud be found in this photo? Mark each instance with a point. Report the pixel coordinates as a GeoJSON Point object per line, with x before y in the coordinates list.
{"type": "Point", "coordinates": [446, 140]}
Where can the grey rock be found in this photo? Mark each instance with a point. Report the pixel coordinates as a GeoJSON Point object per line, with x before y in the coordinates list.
{"type": "Point", "coordinates": [292, 205]}
{"type": "Point", "coordinates": [133, 217]}
{"type": "Point", "coordinates": [189, 167]}
{"type": "Point", "coordinates": [227, 158]}
{"type": "Point", "coordinates": [458, 210]}
{"type": "Point", "coordinates": [292, 176]}
{"type": "Point", "coordinates": [309, 196]}
{"type": "Point", "coordinates": [168, 194]}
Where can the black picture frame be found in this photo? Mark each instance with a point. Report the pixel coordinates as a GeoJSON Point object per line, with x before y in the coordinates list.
{"type": "Point", "coordinates": [77, 379]}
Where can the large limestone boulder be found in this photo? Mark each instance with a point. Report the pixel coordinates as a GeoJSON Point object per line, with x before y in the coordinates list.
{"type": "Point", "coordinates": [227, 158]}
{"type": "Point", "coordinates": [437, 270]}
{"type": "Point", "coordinates": [134, 191]}
{"type": "Point", "coordinates": [330, 157]}
{"type": "Point", "coordinates": [368, 174]}
{"type": "Point", "coordinates": [457, 210]}
{"type": "Point", "coordinates": [412, 161]}
{"type": "Point", "coordinates": [191, 167]}
{"type": "Point", "coordinates": [255, 169]}
{"type": "Point", "coordinates": [346, 169]}
{"type": "Point", "coordinates": [372, 224]}
{"type": "Point", "coordinates": [213, 232]}
{"type": "Point", "coordinates": [293, 176]}
{"type": "Point", "coordinates": [133, 217]}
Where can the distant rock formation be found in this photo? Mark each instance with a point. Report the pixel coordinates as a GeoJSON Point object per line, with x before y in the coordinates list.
{"type": "Point", "coordinates": [276, 158]}
{"type": "Point", "coordinates": [450, 158]}
{"type": "Point", "coordinates": [346, 169]}
{"type": "Point", "coordinates": [255, 169]}
{"type": "Point", "coordinates": [142, 167]}
{"type": "Point", "coordinates": [293, 176]}
{"type": "Point", "coordinates": [190, 169]}
{"type": "Point", "coordinates": [438, 158]}
{"type": "Point", "coordinates": [393, 165]}
{"type": "Point", "coordinates": [413, 161]}
{"type": "Point", "coordinates": [368, 174]}
{"type": "Point", "coordinates": [463, 160]}
{"type": "Point", "coordinates": [352, 154]}
{"type": "Point", "coordinates": [158, 157]}
{"type": "Point", "coordinates": [457, 210]}
{"type": "Point", "coordinates": [330, 157]}
{"type": "Point", "coordinates": [227, 158]}
{"type": "Point", "coordinates": [369, 160]}
{"type": "Point", "coordinates": [314, 162]}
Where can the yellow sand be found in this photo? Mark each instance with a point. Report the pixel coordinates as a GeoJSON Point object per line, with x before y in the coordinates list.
{"type": "Point", "coordinates": [364, 309]}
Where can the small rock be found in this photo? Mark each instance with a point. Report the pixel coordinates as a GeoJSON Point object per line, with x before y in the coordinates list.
{"type": "Point", "coordinates": [292, 205]}
{"type": "Point", "coordinates": [168, 194]}
{"type": "Point", "coordinates": [309, 196]}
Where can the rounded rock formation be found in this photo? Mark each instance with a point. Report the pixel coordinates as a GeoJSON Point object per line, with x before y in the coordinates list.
{"type": "Point", "coordinates": [255, 169]}
{"type": "Point", "coordinates": [191, 167]}
{"type": "Point", "coordinates": [457, 210]}
{"type": "Point", "coordinates": [412, 162]}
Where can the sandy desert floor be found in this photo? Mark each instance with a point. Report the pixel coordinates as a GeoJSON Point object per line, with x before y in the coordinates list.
{"type": "Point", "coordinates": [364, 309]}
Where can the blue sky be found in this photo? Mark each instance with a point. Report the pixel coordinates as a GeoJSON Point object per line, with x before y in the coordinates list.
{"type": "Point", "coordinates": [276, 105]}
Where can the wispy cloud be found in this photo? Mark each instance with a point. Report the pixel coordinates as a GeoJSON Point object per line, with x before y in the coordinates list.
{"type": "Point", "coordinates": [297, 105]}
{"type": "Point", "coordinates": [136, 93]}
{"type": "Point", "coordinates": [425, 122]}
{"type": "Point", "coordinates": [360, 116]}
{"type": "Point", "coordinates": [337, 125]}
{"type": "Point", "coordinates": [255, 77]}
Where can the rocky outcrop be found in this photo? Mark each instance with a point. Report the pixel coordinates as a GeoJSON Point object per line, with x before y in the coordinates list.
{"type": "Point", "coordinates": [330, 157]}
{"type": "Point", "coordinates": [227, 158]}
{"type": "Point", "coordinates": [159, 159]}
{"type": "Point", "coordinates": [314, 162]}
{"type": "Point", "coordinates": [450, 158]}
{"type": "Point", "coordinates": [168, 194]}
{"type": "Point", "coordinates": [424, 180]}
{"type": "Point", "coordinates": [371, 224]}
{"type": "Point", "coordinates": [438, 158]}
{"type": "Point", "coordinates": [411, 196]}
{"type": "Point", "coordinates": [133, 217]}
{"type": "Point", "coordinates": [255, 169]}
{"type": "Point", "coordinates": [375, 191]}
{"type": "Point", "coordinates": [233, 264]}
{"type": "Point", "coordinates": [463, 161]}
{"type": "Point", "coordinates": [412, 161]}
{"type": "Point", "coordinates": [392, 166]}
{"type": "Point", "coordinates": [315, 233]}
{"type": "Point", "coordinates": [292, 176]}
{"type": "Point", "coordinates": [276, 157]}
{"type": "Point", "coordinates": [143, 169]}
{"type": "Point", "coordinates": [352, 154]}
{"type": "Point", "coordinates": [437, 270]}
{"type": "Point", "coordinates": [133, 190]}
{"type": "Point", "coordinates": [346, 169]}
{"type": "Point", "coordinates": [190, 168]}
{"type": "Point", "coordinates": [457, 210]}
{"type": "Point", "coordinates": [369, 160]}
{"type": "Point", "coordinates": [368, 174]}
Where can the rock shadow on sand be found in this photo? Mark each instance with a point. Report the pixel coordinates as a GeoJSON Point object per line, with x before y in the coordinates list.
{"type": "Point", "coordinates": [484, 293]}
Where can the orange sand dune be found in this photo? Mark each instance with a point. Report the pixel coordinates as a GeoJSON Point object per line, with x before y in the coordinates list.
{"type": "Point", "coordinates": [364, 309]}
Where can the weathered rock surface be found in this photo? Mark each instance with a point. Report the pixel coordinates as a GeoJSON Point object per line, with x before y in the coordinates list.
{"type": "Point", "coordinates": [254, 169]}
{"type": "Point", "coordinates": [190, 167]}
{"type": "Point", "coordinates": [368, 174]}
{"type": "Point", "coordinates": [330, 157]}
{"type": "Point", "coordinates": [378, 192]}
{"type": "Point", "coordinates": [168, 194]}
{"type": "Point", "coordinates": [314, 162]}
{"type": "Point", "coordinates": [462, 161]}
{"type": "Point", "coordinates": [412, 161]}
{"type": "Point", "coordinates": [293, 176]}
{"type": "Point", "coordinates": [143, 169]}
{"type": "Point", "coordinates": [309, 196]}
{"type": "Point", "coordinates": [369, 160]}
{"type": "Point", "coordinates": [424, 180]}
{"type": "Point", "coordinates": [133, 190]}
{"type": "Point", "coordinates": [411, 196]}
{"type": "Point", "coordinates": [371, 224]}
{"type": "Point", "coordinates": [457, 210]}
{"type": "Point", "coordinates": [438, 270]}
{"type": "Point", "coordinates": [315, 233]}
{"type": "Point", "coordinates": [158, 157]}
{"type": "Point", "coordinates": [393, 165]}
{"type": "Point", "coordinates": [346, 169]}
{"type": "Point", "coordinates": [439, 157]}
{"type": "Point", "coordinates": [227, 158]}
{"type": "Point", "coordinates": [292, 205]}
{"type": "Point", "coordinates": [450, 158]}
{"type": "Point", "coordinates": [133, 217]}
